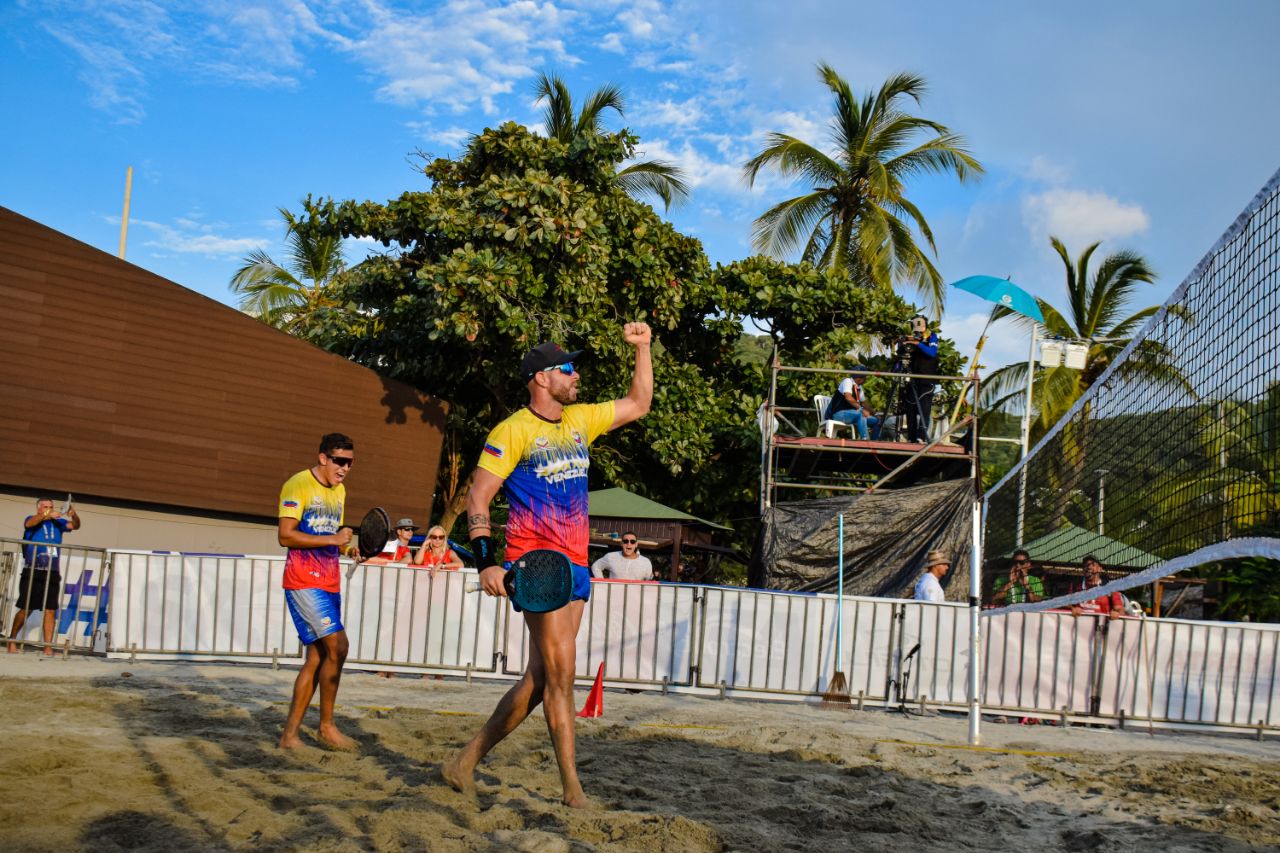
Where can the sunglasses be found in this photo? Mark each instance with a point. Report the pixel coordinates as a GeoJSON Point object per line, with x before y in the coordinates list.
{"type": "Point", "coordinates": [405, 528]}
{"type": "Point", "coordinates": [435, 537]}
{"type": "Point", "coordinates": [630, 541]}
{"type": "Point", "coordinates": [341, 461]}
{"type": "Point", "coordinates": [1022, 562]}
{"type": "Point", "coordinates": [566, 368]}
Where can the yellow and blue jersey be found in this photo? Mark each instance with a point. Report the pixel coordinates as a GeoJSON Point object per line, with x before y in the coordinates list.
{"type": "Point", "coordinates": [318, 509]}
{"type": "Point", "coordinates": [544, 470]}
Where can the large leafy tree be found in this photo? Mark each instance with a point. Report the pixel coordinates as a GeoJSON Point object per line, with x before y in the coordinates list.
{"type": "Point", "coordinates": [647, 177]}
{"type": "Point", "coordinates": [290, 295]}
{"type": "Point", "coordinates": [855, 218]}
{"type": "Point", "coordinates": [525, 238]}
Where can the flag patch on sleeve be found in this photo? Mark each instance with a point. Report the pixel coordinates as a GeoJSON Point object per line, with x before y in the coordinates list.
{"type": "Point", "coordinates": [493, 450]}
{"type": "Point", "coordinates": [290, 504]}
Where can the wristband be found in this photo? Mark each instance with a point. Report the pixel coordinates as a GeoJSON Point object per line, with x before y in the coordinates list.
{"type": "Point", "coordinates": [482, 549]}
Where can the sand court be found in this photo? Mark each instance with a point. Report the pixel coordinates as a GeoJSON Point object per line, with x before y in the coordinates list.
{"type": "Point", "coordinates": [183, 757]}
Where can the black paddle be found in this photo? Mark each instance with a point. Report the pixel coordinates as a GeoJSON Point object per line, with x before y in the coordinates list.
{"type": "Point", "coordinates": [371, 536]}
{"type": "Point", "coordinates": [539, 581]}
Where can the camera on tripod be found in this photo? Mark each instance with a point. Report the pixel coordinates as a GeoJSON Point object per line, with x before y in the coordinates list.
{"type": "Point", "coordinates": [902, 350]}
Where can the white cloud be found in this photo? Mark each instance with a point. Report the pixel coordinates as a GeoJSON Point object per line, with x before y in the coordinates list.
{"type": "Point", "coordinates": [189, 236]}
{"type": "Point", "coordinates": [1080, 216]}
{"type": "Point", "coordinates": [463, 53]}
{"type": "Point", "coordinates": [1046, 170]}
{"type": "Point", "coordinates": [683, 115]}
{"type": "Point", "coordinates": [612, 43]}
{"type": "Point", "coordinates": [646, 19]}
{"type": "Point", "coordinates": [452, 137]}
{"type": "Point", "coordinates": [113, 81]}
{"type": "Point", "coordinates": [121, 44]}
{"type": "Point", "coordinates": [803, 126]}
{"type": "Point", "coordinates": [1006, 341]}
{"type": "Point", "coordinates": [701, 171]}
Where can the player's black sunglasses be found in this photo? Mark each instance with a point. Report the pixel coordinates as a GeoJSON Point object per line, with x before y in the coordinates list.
{"type": "Point", "coordinates": [341, 461]}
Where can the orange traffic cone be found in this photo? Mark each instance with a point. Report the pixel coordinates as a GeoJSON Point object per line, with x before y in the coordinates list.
{"type": "Point", "coordinates": [595, 699]}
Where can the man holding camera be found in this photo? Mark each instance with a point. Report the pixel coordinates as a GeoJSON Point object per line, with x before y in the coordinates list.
{"type": "Point", "coordinates": [1021, 586]}
{"type": "Point", "coordinates": [921, 348]}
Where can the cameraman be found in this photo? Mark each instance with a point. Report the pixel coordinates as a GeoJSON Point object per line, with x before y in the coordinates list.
{"type": "Point", "coordinates": [922, 347]}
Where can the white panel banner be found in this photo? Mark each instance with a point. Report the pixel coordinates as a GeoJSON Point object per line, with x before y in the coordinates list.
{"type": "Point", "coordinates": [698, 638]}
{"type": "Point", "coordinates": [400, 614]}
{"type": "Point", "coordinates": [1038, 661]}
{"type": "Point", "coordinates": [641, 631]}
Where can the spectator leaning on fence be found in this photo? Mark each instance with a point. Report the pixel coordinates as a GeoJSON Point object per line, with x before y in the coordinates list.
{"type": "Point", "coordinates": [1111, 606]}
{"type": "Point", "coordinates": [626, 564]}
{"type": "Point", "coordinates": [435, 552]}
{"type": "Point", "coordinates": [40, 586]}
{"type": "Point", "coordinates": [403, 551]}
{"type": "Point", "coordinates": [936, 566]}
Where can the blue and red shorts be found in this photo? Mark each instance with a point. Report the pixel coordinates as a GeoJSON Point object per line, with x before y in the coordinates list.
{"type": "Point", "coordinates": [316, 613]}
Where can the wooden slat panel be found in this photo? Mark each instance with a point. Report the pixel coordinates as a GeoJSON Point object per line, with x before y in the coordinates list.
{"type": "Point", "coordinates": [120, 384]}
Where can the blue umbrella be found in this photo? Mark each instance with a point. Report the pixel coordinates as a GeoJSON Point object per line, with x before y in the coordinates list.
{"type": "Point", "coordinates": [1002, 292]}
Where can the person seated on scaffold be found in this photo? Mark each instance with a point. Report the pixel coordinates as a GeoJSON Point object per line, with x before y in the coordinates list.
{"type": "Point", "coordinates": [923, 345]}
{"type": "Point", "coordinates": [849, 406]}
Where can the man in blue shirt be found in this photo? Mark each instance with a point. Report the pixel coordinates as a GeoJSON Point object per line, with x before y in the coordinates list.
{"type": "Point", "coordinates": [919, 397]}
{"type": "Point", "coordinates": [40, 586]}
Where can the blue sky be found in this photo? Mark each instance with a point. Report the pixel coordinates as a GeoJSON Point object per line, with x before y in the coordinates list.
{"type": "Point", "coordinates": [1146, 124]}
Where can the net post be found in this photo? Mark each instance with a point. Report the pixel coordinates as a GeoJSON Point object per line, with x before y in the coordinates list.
{"type": "Point", "coordinates": [975, 602]}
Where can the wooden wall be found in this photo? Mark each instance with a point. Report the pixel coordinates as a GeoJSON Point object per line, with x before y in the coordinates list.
{"type": "Point", "coordinates": [117, 383]}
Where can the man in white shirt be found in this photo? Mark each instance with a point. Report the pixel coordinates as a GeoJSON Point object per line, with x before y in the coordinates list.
{"type": "Point", "coordinates": [626, 564]}
{"type": "Point", "coordinates": [936, 566]}
{"type": "Point", "coordinates": [849, 406]}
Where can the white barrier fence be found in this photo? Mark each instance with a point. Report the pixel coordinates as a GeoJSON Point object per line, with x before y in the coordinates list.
{"type": "Point", "coordinates": [708, 640]}
{"type": "Point", "coordinates": [79, 583]}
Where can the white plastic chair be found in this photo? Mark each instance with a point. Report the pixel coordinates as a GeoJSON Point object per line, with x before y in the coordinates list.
{"type": "Point", "coordinates": [827, 428]}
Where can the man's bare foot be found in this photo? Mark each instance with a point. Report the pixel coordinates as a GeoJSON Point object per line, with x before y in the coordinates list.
{"type": "Point", "coordinates": [458, 779]}
{"type": "Point", "coordinates": [330, 736]}
{"type": "Point", "coordinates": [48, 652]}
{"type": "Point", "coordinates": [291, 741]}
{"type": "Point", "coordinates": [577, 801]}
{"type": "Point", "coordinates": [13, 648]}
{"type": "Point", "coordinates": [386, 675]}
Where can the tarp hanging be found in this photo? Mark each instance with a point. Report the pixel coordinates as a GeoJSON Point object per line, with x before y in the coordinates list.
{"type": "Point", "coordinates": [887, 534]}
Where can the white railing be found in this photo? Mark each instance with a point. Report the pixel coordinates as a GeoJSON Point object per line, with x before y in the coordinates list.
{"type": "Point", "coordinates": [81, 587]}
{"type": "Point", "coordinates": [730, 641]}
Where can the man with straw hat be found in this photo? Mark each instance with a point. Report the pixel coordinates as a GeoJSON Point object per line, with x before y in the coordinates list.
{"type": "Point", "coordinates": [936, 566]}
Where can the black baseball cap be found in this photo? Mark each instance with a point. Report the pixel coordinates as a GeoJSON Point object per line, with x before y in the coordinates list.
{"type": "Point", "coordinates": [543, 356]}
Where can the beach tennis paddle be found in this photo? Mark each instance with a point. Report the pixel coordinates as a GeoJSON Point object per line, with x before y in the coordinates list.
{"type": "Point", "coordinates": [371, 538]}
{"type": "Point", "coordinates": [539, 581]}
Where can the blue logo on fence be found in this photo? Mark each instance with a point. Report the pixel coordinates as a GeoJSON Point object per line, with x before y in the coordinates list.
{"type": "Point", "coordinates": [71, 612]}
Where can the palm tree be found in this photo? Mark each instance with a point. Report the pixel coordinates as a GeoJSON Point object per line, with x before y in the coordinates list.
{"type": "Point", "coordinates": [655, 177]}
{"type": "Point", "coordinates": [286, 296]}
{"type": "Point", "coordinates": [1096, 314]}
{"type": "Point", "coordinates": [852, 220]}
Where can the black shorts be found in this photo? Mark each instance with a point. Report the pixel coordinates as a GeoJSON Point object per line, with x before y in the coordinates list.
{"type": "Point", "coordinates": [39, 589]}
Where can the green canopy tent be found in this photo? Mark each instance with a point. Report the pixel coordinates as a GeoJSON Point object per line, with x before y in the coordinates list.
{"type": "Point", "coordinates": [660, 528]}
{"type": "Point", "coordinates": [1069, 545]}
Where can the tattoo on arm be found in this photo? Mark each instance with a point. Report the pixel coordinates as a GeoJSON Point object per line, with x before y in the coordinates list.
{"type": "Point", "coordinates": [476, 520]}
